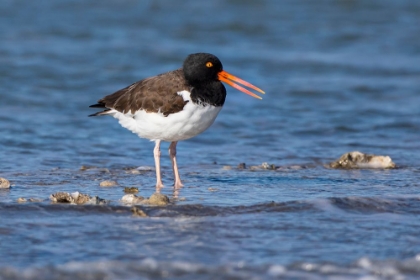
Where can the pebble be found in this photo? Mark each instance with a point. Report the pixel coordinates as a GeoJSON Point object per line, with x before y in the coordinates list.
{"type": "Point", "coordinates": [132, 199]}
{"type": "Point", "coordinates": [108, 183]}
{"type": "Point", "coordinates": [86, 167]}
{"type": "Point", "coordinates": [75, 198]}
{"type": "Point", "coordinates": [242, 165]}
{"type": "Point", "coordinates": [156, 199]}
{"type": "Point", "coordinates": [35, 200]}
{"type": "Point", "coordinates": [131, 190]}
{"type": "Point", "coordinates": [139, 170]}
{"type": "Point", "coordinates": [23, 200]}
{"type": "Point", "coordinates": [145, 168]}
{"type": "Point", "coordinates": [80, 198]}
{"type": "Point", "coordinates": [358, 160]}
{"type": "Point", "coordinates": [4, 183]}
{"type": "Point", "coordinates": [266, 165]}
{"type": "Point", "coordinates": [137, 212]}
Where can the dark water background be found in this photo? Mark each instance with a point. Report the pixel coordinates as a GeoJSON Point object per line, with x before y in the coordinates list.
{"type": "Point", "coordinates": [339, 75]}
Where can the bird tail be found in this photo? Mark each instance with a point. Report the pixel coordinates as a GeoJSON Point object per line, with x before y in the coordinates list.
{"type": "Point", "coordinates": [99, 105]}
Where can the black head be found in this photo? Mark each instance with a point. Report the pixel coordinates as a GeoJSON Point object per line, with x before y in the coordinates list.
{"type": "Point", "coordinates": [205, 71]}
{"type": "Point", "coordinates": [201, 67]}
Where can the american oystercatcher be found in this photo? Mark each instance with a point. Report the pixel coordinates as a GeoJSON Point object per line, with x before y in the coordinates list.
{"type": "Point", "coordinates": [173, 106]}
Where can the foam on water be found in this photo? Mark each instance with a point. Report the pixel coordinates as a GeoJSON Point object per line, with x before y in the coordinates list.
{"type": "Point", "coordinates": [363, 268]}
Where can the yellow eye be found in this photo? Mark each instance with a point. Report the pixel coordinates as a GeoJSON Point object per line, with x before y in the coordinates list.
{"type": "Point", "coordinates": [209, 64]}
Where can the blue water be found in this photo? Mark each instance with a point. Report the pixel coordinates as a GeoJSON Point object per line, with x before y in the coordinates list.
{"type": "Point", "coordinates": [339, 76]}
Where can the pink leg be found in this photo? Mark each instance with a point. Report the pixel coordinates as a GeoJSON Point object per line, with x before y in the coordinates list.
{"type": "Point", "coordinates": [156, 153]}
{"type": "Point", "coordinates": [172, 155]}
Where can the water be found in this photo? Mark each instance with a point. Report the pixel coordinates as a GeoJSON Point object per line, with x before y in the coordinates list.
{"type": "Point", "coordinates": [339, 76]}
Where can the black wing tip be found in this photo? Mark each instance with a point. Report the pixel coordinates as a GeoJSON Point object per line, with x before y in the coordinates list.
{"type": "Point", "coordinates": [97, 105]}
{"type": "Point", "coordinates": [100, 113]}
{"type": "Point", "coordinates": [94, 115]}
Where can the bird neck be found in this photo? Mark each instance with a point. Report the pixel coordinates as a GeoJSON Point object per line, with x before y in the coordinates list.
{"type": "Point", "coordinates": [213, 93]}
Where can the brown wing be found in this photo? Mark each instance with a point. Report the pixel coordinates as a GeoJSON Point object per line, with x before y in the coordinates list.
{"type": "Point", "coordinates": [155, 94]}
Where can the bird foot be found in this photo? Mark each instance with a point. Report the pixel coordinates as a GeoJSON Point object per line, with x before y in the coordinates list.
{"type": "Point", "coordinates": [159, 186]}
{"type": "Point", "coordinates": [178, 185]}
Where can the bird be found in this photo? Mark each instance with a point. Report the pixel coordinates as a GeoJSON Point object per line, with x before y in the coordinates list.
{"type": "Point", "coordinates": [173, 106]}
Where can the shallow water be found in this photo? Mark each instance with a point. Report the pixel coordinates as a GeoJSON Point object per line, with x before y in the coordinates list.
{"type": "Point", "coordinates": [339, 76]}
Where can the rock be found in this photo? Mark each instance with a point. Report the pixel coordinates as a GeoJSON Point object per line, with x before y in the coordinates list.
{"type": "Point", "coordinates": [61, 197]}
{"type": "Point", "coordinates": [80, 198]}
{"type": "Point", "coordinates": [4, 183]}
{"type": "Point", "coordinates": [266, 165]}
{"type": "Point", "coordinates": [23, 200]}
{"type": "Point", "coordinates": [108, 183]}
{"type": "Point", "coordinates": [128, 198]}
{"type": "Point", "coordinates": [358, 160]}
{"type": "Point", "coordinates": [75, 198]}
{"type": "Point", "coordinates": [131, 190]}
{"type": "Point", "coordinates": [86, 167]}
{"type": "Point", "coordinates": [139, 170]}
{"type": "Point", "coordinates": [132, 199]}
{"type": "Point", "coordinates": [137, 212]}
{"type": "Point", "coordinates": [242, 165]}
{"type": "Point", "coordinates": [145, 168]}
{"type": "Point", "coordinates": [158, 199]}
{"type": "Point", "coordinates": [34, 199]}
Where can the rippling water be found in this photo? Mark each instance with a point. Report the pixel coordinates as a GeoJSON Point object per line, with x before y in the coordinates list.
{"type": "Point", "coordinates": [339, 76]}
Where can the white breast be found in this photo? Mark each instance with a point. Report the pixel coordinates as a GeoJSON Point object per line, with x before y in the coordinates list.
{"type": "Point", "coordinates": [191, 121]}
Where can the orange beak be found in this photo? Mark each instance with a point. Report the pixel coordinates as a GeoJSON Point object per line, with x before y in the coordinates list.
{"type": "Point", "coordinates": [228, 78]}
